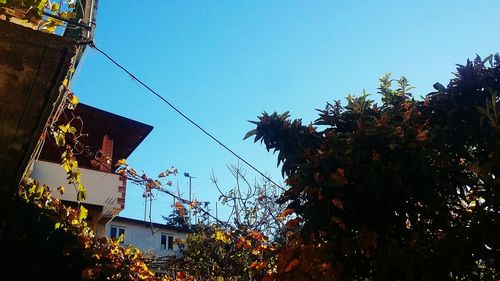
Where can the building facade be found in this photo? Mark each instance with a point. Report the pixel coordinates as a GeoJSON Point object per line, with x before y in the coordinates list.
{"type": "Point", "coordinates": [111, 137]}
{"type": "Point", "coordinates": [153, 239]}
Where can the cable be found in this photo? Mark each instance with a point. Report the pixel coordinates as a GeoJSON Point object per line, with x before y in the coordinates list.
{"type": "Point", "coordinates": [92, 45]}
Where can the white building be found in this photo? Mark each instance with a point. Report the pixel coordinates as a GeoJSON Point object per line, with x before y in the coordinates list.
{"type": "Point", "coordinates": [151, 238]}
{"type": "Point", "coordinates": [110, 136]}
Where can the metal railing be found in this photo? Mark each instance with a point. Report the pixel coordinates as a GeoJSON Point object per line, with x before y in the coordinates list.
{"type": "Point", "coordinates": [84, 26]}
{"type": "Point", "coordinates": [75, 20]}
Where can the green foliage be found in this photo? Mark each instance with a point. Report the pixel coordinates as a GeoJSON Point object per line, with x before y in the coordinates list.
{"type": "Point", "coordinates": [209, 255]}
{"type": "Point", "coordinates": [405, 191]}
{"type": "Point", "coordinates": [217, 254]}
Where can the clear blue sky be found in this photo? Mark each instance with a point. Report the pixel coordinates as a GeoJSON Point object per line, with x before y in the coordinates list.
{"type": "Point", "coordinates": [224, 62]}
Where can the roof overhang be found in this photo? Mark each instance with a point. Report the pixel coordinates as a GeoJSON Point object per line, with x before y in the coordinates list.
{"type": "Point", "coordinates": [33, 66]}
{"type": "Point", "coordinates": [126, 134]}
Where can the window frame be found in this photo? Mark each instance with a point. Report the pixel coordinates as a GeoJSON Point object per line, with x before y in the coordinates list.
{"type": "Point", "coordinates": [169, 242]}
{"type": "Point", "coordinates": [163, 241]}
{"type": "Point", "coordinates": [118, 231]}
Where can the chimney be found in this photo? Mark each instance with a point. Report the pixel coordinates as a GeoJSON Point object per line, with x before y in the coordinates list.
{"type": "Point", "coordinates": [107, 154]}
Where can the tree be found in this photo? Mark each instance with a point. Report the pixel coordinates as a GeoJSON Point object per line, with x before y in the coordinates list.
{"type": "Point", "coordinates": [403, 191]}
{"type": "Point", "coordinates": [178, 216]}
{"type": "Point", "coordinates": [210, 252]}
{"type": "Point", "coordinates": [236, 249]}
{"type": "Point", "coordinates": [253, 205]}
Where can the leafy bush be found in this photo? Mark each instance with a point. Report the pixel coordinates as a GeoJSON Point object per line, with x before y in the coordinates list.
{"type": "Point", "coordinates": [407, 190]}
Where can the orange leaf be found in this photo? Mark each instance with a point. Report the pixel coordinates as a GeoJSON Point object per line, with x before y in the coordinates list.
{"type": "Point", "coordinates": [243, 243]}
{"type": "Point", "coordinates": [253, 265]}
{"type": "Point", "coordinates": [121, 162]}
{"type": "Point", "coordinates": [261, 265]}
{"type": "Point", "coordinates": [337, 203]}
{"type": "Point", "coordinates": [257, 236]}
{"type": "Point", "coordinates": [180, 208]}
{"type": "Point", "coordinates": [285, 213]}
{"type": "Point", "coordinates": [291, 265]}
{"type": "Point", "coordinates": [340, 172]}
{"type": "Point", "coordinates": [293, 223]}
{"type": "Point", "coordinates": [325, 266]}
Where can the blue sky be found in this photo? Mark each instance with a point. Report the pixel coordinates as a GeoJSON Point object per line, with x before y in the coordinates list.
{"type": "Point", "coordinates": [224, 62]}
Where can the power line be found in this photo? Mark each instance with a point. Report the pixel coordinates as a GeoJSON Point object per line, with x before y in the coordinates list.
{"type": "Point", "coordinates": [92, 45]}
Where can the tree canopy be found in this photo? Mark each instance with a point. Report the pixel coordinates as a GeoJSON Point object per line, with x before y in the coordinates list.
{"type": "Point", "coordinates": [405, 190]}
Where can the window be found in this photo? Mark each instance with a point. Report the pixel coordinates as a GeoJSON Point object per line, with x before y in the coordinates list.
{"type": "Point", "coordinates": [167, 242]}
{"type": "Point", "coordinates": [116, 232]}
{"type": "Point", "coordinates": [170, 242]}
{"type": "Point", "coordinates": [163, 241]}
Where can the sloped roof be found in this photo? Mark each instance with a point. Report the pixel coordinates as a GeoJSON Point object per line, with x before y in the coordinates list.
{"type": "Point", "coordinates": [155, 225]}
{"type": "Point", "coordinates": [126, 133]}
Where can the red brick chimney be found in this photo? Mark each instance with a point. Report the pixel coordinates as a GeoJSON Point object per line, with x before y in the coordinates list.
{"type": "Point", "coordinates": [107, 154]}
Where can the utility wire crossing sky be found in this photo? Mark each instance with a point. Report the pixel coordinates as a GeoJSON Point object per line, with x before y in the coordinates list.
{"type": "Point", "coordinates": [183, 115]}
{"type": "Point", "coordinates": [223, 63]}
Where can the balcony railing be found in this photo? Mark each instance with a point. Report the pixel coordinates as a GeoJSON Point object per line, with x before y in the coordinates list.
{"type": "Point", "coordinates": [106, 190]}
{"type": "Point", "coordinates": [69, 18]}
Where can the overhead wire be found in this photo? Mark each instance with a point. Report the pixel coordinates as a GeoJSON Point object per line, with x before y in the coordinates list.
{"type": "Point", "coordinates": [134, 77]}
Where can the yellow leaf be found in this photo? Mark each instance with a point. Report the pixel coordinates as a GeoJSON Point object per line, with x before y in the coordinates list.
{"type": "Point", "coordinates": [221, 236]}
{"type": "Point", "coordinates": [64, 128]}
{"type": "Point", "coordinates": [67, 15]}
{"type": "Point", "coordinates": [54, 7]}
{"type": "Point", "coordinates": [41, 4]}
{"type": "Point", "coordinates": [49, 29]}
{"type": "Point", "coordinates": [121, 238]}
{"type": "Point", "coordinates": [83, 213]}
{"type": "Point", "coordinates": [81, 194]}
{"type": "Point", "coordinates": [61, 189]}
{"type": "Point", "coordinates": [65, 166]}
{"type": "Point", "coordinates": [72, 130]}
{"type": "Point", "coordinates": [59, 138]}
{"type": "Point", "coordinates": [73, 100]}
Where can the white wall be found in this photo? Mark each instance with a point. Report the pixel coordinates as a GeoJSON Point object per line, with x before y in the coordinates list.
{"type": "Point", "coordinates": [102, 188]}
{"type": "Point", "coordinates": [140, 235]}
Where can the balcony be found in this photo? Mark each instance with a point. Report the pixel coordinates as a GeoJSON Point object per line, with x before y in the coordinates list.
{"type": "Point", "coordinates": [108, 134]}
{"type": "Point", "coordinates": [105, 191]}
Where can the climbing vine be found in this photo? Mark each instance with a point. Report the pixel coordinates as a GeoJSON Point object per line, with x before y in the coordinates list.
{"type": "Point", "coordinates": [44, 14]}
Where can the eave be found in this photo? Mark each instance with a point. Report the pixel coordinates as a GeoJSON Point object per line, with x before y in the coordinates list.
{"type": "Point", "coordinates": [33, 66]}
